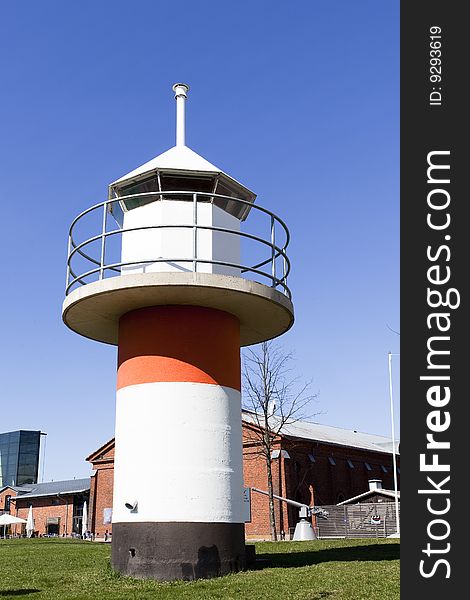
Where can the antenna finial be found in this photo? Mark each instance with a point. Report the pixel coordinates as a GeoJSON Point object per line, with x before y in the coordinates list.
{"type": "Point", "coordinates": [180, 90]}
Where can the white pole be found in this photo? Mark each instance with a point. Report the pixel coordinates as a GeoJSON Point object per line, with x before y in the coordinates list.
{"type": "Point", "coordinates": [43, 456]}
{"type": "Point", "coordinates": [397, 512]}
{"type": "Point", "coordinates": [180, 90]}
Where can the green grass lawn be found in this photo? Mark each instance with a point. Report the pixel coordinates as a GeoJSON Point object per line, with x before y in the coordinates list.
{"type": "Point", "coordinates": [332, 570]}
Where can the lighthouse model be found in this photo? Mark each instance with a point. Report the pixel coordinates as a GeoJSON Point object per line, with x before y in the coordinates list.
{"type": "Point", "coordinates": [166, 270]}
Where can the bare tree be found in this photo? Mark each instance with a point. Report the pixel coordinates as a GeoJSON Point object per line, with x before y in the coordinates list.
{"type": "Point", "coordinates": [276, 398]}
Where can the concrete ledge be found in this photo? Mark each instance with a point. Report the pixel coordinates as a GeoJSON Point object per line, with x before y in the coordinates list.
{"type": "Point", "coordinates": [94, 310]}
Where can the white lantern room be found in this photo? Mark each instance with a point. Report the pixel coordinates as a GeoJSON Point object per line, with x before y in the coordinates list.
{"type": "Point", "coordinates": [179, 212]}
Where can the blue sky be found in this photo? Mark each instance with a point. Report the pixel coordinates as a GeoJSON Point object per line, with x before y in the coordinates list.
{"type": "Point", "coordinates": [298, 101]}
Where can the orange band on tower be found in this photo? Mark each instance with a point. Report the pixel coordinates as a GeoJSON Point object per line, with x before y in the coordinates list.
{"type": "Point", "coordinates": [179, 343]}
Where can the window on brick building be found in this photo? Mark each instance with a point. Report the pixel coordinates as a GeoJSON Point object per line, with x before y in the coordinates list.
{"type": "Point", "coordinates": [311, 457]}
{"type": "Point", "coordinates": [367, 466]}
{"type": "Point", "coordinates": [350, 463]}
{"type": "Point", "coordinates": [384, 469]}
{"type": "Point", "coordinates": [107, 516]}
{"type": "Point", "coordinates": [7, 502]}
{"type": "Point", "coordinates": [332, 461]}
{"type": "Point", "coordinates": [53, 526]}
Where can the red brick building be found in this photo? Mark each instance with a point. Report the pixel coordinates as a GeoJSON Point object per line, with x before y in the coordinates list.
{"type": "Point", "coordinates": [311, 464]}
{"type": "Point", "coordinates": [101, 489]}
{"type": "Point", "coordinates": [57, 506]}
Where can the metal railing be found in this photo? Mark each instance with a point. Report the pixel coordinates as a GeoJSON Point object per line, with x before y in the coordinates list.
{"type": "Point", "coordinates": [365, 520]}
{"type": "Point", "coordinates": [87, 259]}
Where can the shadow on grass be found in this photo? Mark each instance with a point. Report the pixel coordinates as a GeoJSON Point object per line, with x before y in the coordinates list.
{"type": "Point", "coordinates": [375, 552]}
{"type": "Point", "coordinates": [17, 592]}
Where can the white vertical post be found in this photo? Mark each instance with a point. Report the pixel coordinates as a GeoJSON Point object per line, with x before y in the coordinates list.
{"type": "Point", "coordinates": [103, 240]}
{"type": "Point", "coordinates": [67, 279]}
{"type": "Point", "coordinates": [397, 511]}
{"type": "Point", "coordinates": [180, 90]}
{"type": "Point", "coordinates": [195, 233]}
{"type": "Point", "coordinates": [284, 269]}
{"type": "Point", "coordinates": [273, 252]}
{"type": "Point", "coordinates": [43, 457]}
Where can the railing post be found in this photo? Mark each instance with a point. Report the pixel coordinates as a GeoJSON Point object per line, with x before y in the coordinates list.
{"type": "Point", "coordinates": [195, 233]}
{"type": "Point", "coordinates": [67, 278]}
{"type": "Point", "coordinates": [284, 267]}
{"type": "Point", "coordinates": [273, 251]}
{"type": "Point", "coordinates": [103, 240]}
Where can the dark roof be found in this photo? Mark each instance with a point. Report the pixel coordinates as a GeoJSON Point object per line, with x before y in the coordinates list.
{"type": "Point", "coordinates": [52, 488]}
{"type": "Point", "coordinates": [16, 488]}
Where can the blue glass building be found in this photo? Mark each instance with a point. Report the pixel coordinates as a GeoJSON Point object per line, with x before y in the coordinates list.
{"type": "Point", "coordinates": [19, 457]}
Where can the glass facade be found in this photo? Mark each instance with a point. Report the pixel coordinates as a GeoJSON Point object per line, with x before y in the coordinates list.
{"type": "Point", "coordinates": [19, 457]}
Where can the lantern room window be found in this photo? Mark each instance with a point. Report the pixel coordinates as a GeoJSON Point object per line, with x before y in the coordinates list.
{"type": "Point", "coordinates": [161, 182]}
{"type": "Point", "coordinates": [204, 184]}
{"type": "Point", "coordinates": [139, 187]}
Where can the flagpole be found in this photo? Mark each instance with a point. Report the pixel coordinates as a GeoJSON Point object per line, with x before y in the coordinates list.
{"type": "Point", "coordinates": [397, 510]}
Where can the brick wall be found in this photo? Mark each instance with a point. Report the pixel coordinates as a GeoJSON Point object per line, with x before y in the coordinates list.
{"type": "Point", "coordinates": [255, 475]}
{"type": "Point", "coordinates": [3, 495]}
{"type": "Point", "coordinates": [103, 481]}
{"type": "Point", "coordinates": [7, 492]}
{"type": "Point", "coordinates": [11, 510]}
{"type": "Point", "coordinates": [47, 507]}
{"type": "Point", "coordinates": [101, 488]}
{"type": "Point", "coordinates": [333, 483]}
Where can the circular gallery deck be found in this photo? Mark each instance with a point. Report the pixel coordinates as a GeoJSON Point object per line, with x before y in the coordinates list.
{"type": "Point", "coordinates": [94, 310]}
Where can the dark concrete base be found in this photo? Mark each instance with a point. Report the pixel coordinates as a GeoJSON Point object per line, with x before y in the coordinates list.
{"type": "Point", "coordinates": [250, 554]}
{"type": "Point", "coordinates": [168, 551]}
